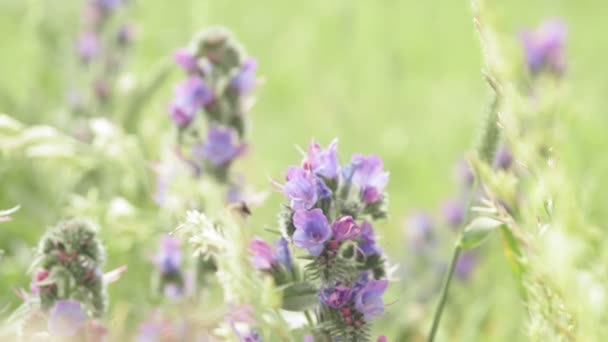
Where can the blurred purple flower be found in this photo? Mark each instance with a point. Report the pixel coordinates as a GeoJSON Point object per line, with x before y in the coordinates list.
{"type": "Point", "coordinates": [466, 265]}
{"type": "Point", "coordinates": [168, 259]}
{"type": "Point", "coordinates": [190, 96]}
{"type": "Point", "coordinates": [322, 162]}
{"type": "Point", "coordinates": [186, 60]}
{"type": "Point", "coordinates": [368, 240]}
{"type": "Point", "coordinates": [465, 174]}
{"type": "Point", "coordinates": [283, 254]}
{"type": "Point", "coordinates": [221, 146]}
{"type": "Point", "coordinates": [308, 338]}
{"type": "Point", "coordinates": [382, 339]}
{"type": "Point", "coordinates": [66, 318]}
{"type": "Point", "coordinates": [262, 254]}
{"type": "Point", "coordinates": [503, 158]}
{"type": "Point", "coordinates": [453, 212]}
{"type": "Point", "coordinates": [420, 231]}
{"type": "Point", "coordinates": [300, 188]}
{"type": "Point", "coordinates": [544, 47]}
{"type": "Point", "coordinates": [252, 337]}
{"type": "Point", "coordinates": [126, 35]}
{"type": "Point", "coordinates": [244, 80]}
{"type": "Point", "coordinates": [88, 46]}
{"type": "Point", "coordinates": [345, 228]}
{"type": "Point", "coordinates": [312, 230]}
{"type": "Point", "coordinates": [368, 300]}
{"type": "Point", "coordinates": [369, 176]}
{"type": "Point", "coordinates": [336, 297]}
{"type": "Point", "coordinates": [40, 275]}
{"type": "Point", "coordinates": [96, 332]}
{"type": "Point", "coordinates": [108, 5]}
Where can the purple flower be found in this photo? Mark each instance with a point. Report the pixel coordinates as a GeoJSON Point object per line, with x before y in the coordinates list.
{"type": "Point", "coordinates": [221, 146]}
{"type": "Point", "coordinates": [88, 46]}
{"type": "Point", "coordinates": [454, 212]}
{"type": "Point", "coordinates": [369, 176]}
{"type": "Point", "coordinates": [312, 230]}
{"type": "Point", "coordinates": [168, 259]}
{"type": "Point", "coordinates": [108, 5]}
{"type": "Point", "coordinates": [503, 159]}
{"type": "Point", "coordinates": [40, 275]}
{"type": "Point", "coordinates": [66, 318]}
{"type": "Point", "coordinates": [345, 228]}
{"type": "Point", "coordinates": [322, 162]}
{"type": "Point", "coordinates": [382, 338]}
{"type": "Point", "coordinates": [544, 47]}
{"type": "Point", "coordinates": [251, 337]}
{"type": "Point", "coordinates": [368, 240]}
{"type": "Point", "coordinates": [283, 254]}
{"type": "Point", "coordinates": [190, 96]}
{"type": "Point", "coordinates": [126, 35]}
{"type": "Point", "coordinates": [308, 338]}
{"type": "Point", "coordinates": [300, 189]}
{"type": "Point", "coordinates": [420, 231]}
{"type": "Point", "coordinates": [244, 80]}
{"type": "Point", "coordinates": [368, 299]}
{"type": "Point", "coordinates": [336, 297]}
{"type": "Point", "coordinates": [465, 265]}
{"type": "Point", "coordinates": [186, 60]}
{"type": "Point", "coordinates": [465, 174]}
{"type": "Point", "coordinates": [262, 254]}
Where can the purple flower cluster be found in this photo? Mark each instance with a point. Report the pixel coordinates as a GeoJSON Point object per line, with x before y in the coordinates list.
{"type": "Point", "coordinates": [219, 82]}
{"type": "Point", "coordinates": [103, 45]}
{"type": "Point", "coordinates": [356, 304]}
{"type": "Point", "coordinates": [328, 214]}
{"type": "Point", "coordinates": [544, 47]}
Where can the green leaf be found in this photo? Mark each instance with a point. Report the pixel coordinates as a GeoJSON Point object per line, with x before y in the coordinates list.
{"type": "Point", "coordinates": [477, 231]}
{"type": "Point", "coordinates": [299, 296]}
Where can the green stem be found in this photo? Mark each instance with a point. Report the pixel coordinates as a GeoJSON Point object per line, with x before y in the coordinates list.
{"type": "Point", "coordinates": [308, 318]}
{"type": "Point", "coordinates": [444, 293]}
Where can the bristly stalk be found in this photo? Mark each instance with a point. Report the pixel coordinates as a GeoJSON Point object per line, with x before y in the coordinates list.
{"type": "Point", "coordinates": [485, 150]}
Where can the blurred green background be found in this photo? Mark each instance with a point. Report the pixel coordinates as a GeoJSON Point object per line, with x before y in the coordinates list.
{"type": "Point", "coordinates": [397, 78]}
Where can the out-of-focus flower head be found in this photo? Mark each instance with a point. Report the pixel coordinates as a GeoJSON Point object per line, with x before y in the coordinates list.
{"type": "Point", "coordinates": [544, 47]}
{"type": "Point", "coordinates": [262, 254]}
{"type": "Point", "coordinates": [453, 212]}
{"type": "Point", "coordinates": [245, 80]}
{"type": "Point", "coordinates": [221, 146]}
{"type": "Point", "coordinates": [169, 256]}
{"type": "Point", "coordinates": [190, 96]}
{"type": "Point", "coordinates": [88, 46]}
{"type": "Point", "coordinates": [66, 318]}
{"type": "Point", "coordinates": [503, 158]}
{"type": "Point", "coordinates": [420, 231]}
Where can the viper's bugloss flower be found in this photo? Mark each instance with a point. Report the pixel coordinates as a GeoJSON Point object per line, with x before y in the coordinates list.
{"type": "Point", "coordinates": [40, 275]}
{"type": "Point", "coordinates": [186, 60]}
{"type": "Point", "coordinates": [453, 212]}
{"type": "Point", "coordinates": [221, 146]}
{"type": "Point", "coordinates": [322, 162]}
{"type": "Point", "coordinates": [336, 297]}
{"type": "Point", "coordinates": [169, 256]}
{"type": "Point", "coordinates": [345, 228]}
{"type": "Point", "coordinates": [466, 265]}
{"type": "Point", "coordinates": [369, 176]}
{"type": "Point", "coordinates": [503, 158]}
{"type": "Point", "coordinates": [544, 47]}
{"type": "Point", "coordinates": [300, 188]}
{"type": "Point", "coordinates": [283, 254]}
{"type": "Point", "coordinates": [312, 230]}
{"type": "Point", "coordinates": [88, 46]}
{"type": "Point", "coordinates": [420, 231]}
{"type": "Point", "coordinates": [368, 300]}
{"type": "Point", "coordinates": [262, 254]}
{"type": "Point", "coordinates": [126, 35]}
{"type": "Point", "coordinates": [66, 318]}
{"type": "Point", "coordinates": [244, 81]}
{"type": "Point", "coordinates": [190, 96]}
{"type": "Point", "coordinates": [368, 240]}
{"type": "Point", "coordinates": [465, 174]}
{"type": "Point", "coordinates": [252, 337]}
